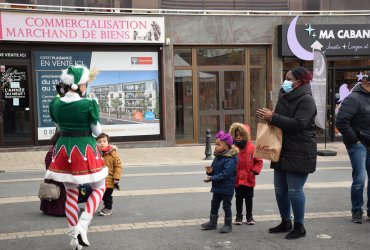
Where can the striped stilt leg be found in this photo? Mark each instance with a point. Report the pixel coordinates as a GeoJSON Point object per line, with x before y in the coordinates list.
{"type": "Point", "coordinates": [92, 204]}
{"type": "Point", "coordinates": [71, 209]}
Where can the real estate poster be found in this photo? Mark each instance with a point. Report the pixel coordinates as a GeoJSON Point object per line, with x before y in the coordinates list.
{"type": "Point", "coordinates": [126, 89]}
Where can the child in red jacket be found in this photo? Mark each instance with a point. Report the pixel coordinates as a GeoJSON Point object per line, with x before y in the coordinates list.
{"type": "Point", "coordinates": [246, 170]}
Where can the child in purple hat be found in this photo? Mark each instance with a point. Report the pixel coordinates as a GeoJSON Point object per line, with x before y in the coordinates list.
{"type": "Point", "coordinates": [222, 175]}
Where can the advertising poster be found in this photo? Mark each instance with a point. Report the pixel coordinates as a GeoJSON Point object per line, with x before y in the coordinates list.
{"type": "Point", "coordinates": [126, 89]}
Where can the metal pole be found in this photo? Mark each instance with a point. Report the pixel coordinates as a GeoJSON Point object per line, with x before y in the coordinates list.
{"type": "Point", "coordinates": [208, 151]}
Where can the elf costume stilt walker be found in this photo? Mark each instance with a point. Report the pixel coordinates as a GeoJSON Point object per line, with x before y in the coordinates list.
{"type": "Point", "coordinates": [76, 158]}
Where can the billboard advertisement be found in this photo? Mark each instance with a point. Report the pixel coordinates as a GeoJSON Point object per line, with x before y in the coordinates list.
{"type": "Point", "coordinates": [126, 89]}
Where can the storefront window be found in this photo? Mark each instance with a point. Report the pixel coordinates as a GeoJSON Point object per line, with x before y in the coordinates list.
{"type": "Point", "coordinates": [222, 86]}
{"type": "Point", "coordinates": [211, 122]}
{"type": "Point", "coordinates": [220, 56]}
{"type": "Point", "coordinates": [184, 105]}
{"type": "Point", "coordinates": [352, 63]}
{"type": "Point", "coordinates": [208, 91]}
{"type": "Point", "coordinates": [209, 103]}
{"type": "Point", "coordinates": [258, 94]}
{"type": "Point", "coordinates": [258, 55]}
{"type": "Point", "coordinates": [230, 119]}
{"type": "Point", "coordinates": [14, 103]}
{"type": "Point", "coordinates": [288, 65]}
{"type": "Point", "coordinates": [233, 90]}
{"type": "Point", "coordinates": [182, 57]}
{"type": "Point", "coordinates": [345, 80]}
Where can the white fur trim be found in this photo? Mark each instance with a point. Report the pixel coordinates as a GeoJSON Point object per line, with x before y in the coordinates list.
{"type": "Point", "coordinates": [85, 76]}
{"type": "Point", "coordinates": [77, 179]}
{"type": "Point", "coordinates": [96, 129]}
{"type": "Point", "coordinates": [69, 79]}
{"type": "Point", "coordinates": [70, 97]}
{"type": "Point", "coordinates": [66, 78]}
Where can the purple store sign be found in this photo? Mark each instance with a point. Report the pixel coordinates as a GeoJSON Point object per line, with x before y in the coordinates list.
{"type": "Point", "coordinates": [333, 40]}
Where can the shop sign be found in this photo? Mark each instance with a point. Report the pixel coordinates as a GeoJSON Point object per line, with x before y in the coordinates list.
{"type": "Point", "coordinates": [333, 40]}
{"type": "Point", "coordinates": [42, 27]}
{"type": "Point", "coordinates": [124, 91]}
{"type": "Point", "coordinates": [12, 54]}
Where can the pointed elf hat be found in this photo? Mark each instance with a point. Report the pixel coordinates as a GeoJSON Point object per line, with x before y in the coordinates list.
{"type": "Point", "coordinates": [75, 75]}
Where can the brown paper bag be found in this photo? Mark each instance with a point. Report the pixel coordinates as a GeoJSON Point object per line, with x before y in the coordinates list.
{"type": "Point", "coordinates": [268, 142]}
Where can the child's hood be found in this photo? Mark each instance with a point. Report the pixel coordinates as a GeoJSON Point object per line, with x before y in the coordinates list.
{"type": "Point", "coordinates": [243, 129]}
{"type": "Point", "coordinates": [232, 152]}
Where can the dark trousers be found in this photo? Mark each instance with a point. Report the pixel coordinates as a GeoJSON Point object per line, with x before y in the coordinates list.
{"type": "Point", "coordinates": [108, 198]}
{"type": "Point", "coordinates": [244, 193]}
{"type": "Point", "coordinates": [226, 204]}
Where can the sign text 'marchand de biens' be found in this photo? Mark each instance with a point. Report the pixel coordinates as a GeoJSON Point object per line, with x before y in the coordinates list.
{"type": "Point", "coordinates": [80, 28]}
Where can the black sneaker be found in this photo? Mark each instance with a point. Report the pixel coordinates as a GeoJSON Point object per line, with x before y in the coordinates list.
{"type": "Point", "coordinates": [250, 221]}
{"type": "Point", "coordinates": [105, 212]}
{"type": "Point", "coordinates": [238, 220]}
{"type": "Point", "coordinates": [357, 217]}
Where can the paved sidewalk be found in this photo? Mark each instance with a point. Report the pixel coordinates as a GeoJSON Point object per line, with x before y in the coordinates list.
{"type": "Point", "coordinates": [179, 155]}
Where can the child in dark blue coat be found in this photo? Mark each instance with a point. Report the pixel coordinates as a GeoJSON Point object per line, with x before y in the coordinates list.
{"type": "Point", "coordinates": [222, 175]}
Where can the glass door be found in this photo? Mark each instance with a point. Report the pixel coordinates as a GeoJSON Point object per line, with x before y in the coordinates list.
{"type": "Point", "coordinates": [209, 102]}
{"type": "Point", "coordinates": [15, 118]}
{"type": "Point", "coordinates": [233, 98]}
{"type": "Point", "coordinates": [344, 81]}
{"type": "Point", "coordinates": [221, 100]}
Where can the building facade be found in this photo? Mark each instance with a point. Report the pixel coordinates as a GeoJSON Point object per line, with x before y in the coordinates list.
{"type": "Point", "coordinates": [189, 72]}
{"type": "Point", "coordinates": [126, 98]}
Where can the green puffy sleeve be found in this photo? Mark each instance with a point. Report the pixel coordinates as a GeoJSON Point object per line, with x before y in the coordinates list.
{"type": "Point", "coordinates": [51, 109]}
{"type": "Point", "coordinates": [93, 112]}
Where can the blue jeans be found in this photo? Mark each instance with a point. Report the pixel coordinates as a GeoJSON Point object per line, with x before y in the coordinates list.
{"type": "Point", "coordinates": [289, 192]}
{"type": "Point", "coordinates": [226, 204]}
{"type": "Point", "coordinates": [360, 161]}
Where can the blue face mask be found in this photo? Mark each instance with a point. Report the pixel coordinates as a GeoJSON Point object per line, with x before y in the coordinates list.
{"type": "Point", "coordinates": [287, 86]}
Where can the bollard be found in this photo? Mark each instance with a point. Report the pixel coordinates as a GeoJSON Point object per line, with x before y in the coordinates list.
{"type": "Point", "coordinates": [208, 151]}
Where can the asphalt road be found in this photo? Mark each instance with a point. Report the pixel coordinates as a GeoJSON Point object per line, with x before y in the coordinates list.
{"type": "Point", "coordinates": [171, 218]}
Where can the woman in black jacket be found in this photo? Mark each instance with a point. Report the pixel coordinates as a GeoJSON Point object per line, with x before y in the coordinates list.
{"type": "Point", "coordinates": [295, 114]}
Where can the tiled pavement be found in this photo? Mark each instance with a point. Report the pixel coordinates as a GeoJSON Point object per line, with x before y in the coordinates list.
{"type": "Point", "coordinates": [179, 155]}
{"type": "Point", "coordinates": [156, 224]}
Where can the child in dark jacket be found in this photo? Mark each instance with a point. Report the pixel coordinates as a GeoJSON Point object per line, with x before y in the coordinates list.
{"type": "Point", "coordinates": [246, 170]}
{"type": "Point", "coordinates": [222, 175]}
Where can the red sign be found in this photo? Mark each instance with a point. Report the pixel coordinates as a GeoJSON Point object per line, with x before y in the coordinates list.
{"type": "Point", "coordinates": [138, 116]}
{"type": "Point", "coordinates": [145, 60]}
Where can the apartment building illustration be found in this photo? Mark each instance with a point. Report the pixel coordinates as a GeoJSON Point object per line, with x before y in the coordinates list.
{"type": "Point", "coordinates": [127, 98]}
